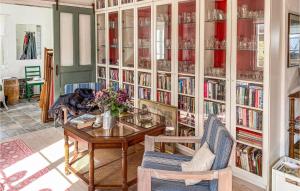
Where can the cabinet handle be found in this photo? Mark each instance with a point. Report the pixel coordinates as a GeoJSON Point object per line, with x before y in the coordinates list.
{"type": "Point", "coordinates": [292, 182]}
{"type": "Point", "coordinates": [56, 70]}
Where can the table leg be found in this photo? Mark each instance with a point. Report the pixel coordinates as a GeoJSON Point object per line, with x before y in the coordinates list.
{"type": "Point", "coordinates": [67, 172]}
{"type": "Point", "coordinates": [124, 166]}
{"type": "Point", "coordinates": [91, 167]}
{"type": "Point", "coordinates": [76, 147]}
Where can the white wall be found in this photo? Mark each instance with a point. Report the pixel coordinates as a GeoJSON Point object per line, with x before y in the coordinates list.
{"type": "Point", "coordinates": [17, 14]}
{"type": "Point", "coordinates": [290, 75]}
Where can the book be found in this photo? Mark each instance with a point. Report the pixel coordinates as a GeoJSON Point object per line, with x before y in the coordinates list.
{"type": "Point", "coordinates": [84, 120]}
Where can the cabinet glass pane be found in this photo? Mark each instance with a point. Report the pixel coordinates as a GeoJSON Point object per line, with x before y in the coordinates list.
{"type": "Point", "coordinates": [163, 53]}
{"type": "Point", "coordinates": [66, 39]}
{"type": "Point", "coordinates": [100, 4]}
{"type": "Point", "coordinates": [144, 83]}
{"type": "Point", "coordinates": [101, 48]}
{"type": "Point", "coordinates": [249, 87]}
{"type": "Point", "coordinates": [186, 69]}
{"type": "Point", "coordinates": [85, 40]}
{"type": "Point", "coordinates": [144, 38]}
{"type": "Point", "coordinates": [112, 3]}
{"type": "Point", "coordinates": [128, 38]}
{"type": "Point", "coordinates": [215, 59]}
{"type": "Point", "coordinates": [114, 78]}
{"type": "Point", "coordinates": [113, 39]}
{"type": "Point", "coordinates": [128, 82]}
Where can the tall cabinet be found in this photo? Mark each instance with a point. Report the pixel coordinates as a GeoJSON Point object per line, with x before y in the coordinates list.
{"type": "Point", "coordinates": [204, 57]}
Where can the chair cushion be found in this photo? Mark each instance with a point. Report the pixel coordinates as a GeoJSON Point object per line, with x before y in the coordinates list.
{"type": "Point", "coordinates": [220, 143]}
{"type": "Point", "coordinates": [70, 88]}
{"type": "Point", "coordinates": [163, 161]}
{"type": "Point", "coordinates": [164, 185]}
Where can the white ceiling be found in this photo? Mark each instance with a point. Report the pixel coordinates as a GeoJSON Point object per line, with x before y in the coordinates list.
{"type": "Point", "coordinates": [48, 2]}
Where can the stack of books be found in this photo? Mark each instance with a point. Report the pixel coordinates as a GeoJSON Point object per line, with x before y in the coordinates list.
{"type": "Point", "coordinates": [144, 93]}
{"type": "Point", "coordinates": [164, 82]}
{"type": "Point", "coordinates": [249, 95]}
{"type": "Point", "coordinates": [145, 79]}
{"type": "Point", "coordinates": [186, 103]}
{"type": "Point", "coordinates": [85, 120]}
{"type": "Point", "coordinates": [249, 159]}
{"type": "Point", "coordinates": [250, 137]}
{"type": "Point", "coordinates": [114, 74]}
{"type": "Point", "coordinates": [128, 76]}
{"type": "Point", "coordinates": [214, 89]}
{"type": "Point", "coordinates": [249, 118]}
{"type": "Point", "coordinates": [186, 85]}
{"type": "Point", "coordinates": [164, 97]}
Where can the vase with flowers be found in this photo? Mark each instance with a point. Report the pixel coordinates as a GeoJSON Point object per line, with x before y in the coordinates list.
{"type": "Point", "coordinates": [111, 103]}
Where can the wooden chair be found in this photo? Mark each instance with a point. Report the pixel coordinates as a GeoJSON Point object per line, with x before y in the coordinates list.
{"type": "Point", "coordinates": [32, 72]}
{"type": "Point", "coordinates": [161, 171]}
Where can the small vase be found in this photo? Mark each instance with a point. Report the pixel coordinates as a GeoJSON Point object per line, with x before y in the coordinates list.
{"type": "Point", "coordinates": [108, 120]}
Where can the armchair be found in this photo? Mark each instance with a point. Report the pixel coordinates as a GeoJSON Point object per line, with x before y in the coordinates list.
{"type": "Point", "coordinates": [162, 172]}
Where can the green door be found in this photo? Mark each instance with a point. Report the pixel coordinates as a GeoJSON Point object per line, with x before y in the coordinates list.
{"type": "Point", "coordinates": [74, 46]}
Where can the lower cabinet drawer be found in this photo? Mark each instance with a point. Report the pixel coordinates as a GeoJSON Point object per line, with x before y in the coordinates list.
{"type": "Point", "coordinates": [287, 184]}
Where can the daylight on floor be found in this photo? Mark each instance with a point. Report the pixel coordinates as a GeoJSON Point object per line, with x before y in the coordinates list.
{"type": "Point", "coordinates": [149, 95]}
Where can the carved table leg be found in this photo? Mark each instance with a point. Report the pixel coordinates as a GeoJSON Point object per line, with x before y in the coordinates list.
{"type": "Point", "coordinates": [124, 166]}
{"type": "Point", "coordinates": [76, 147]}
{"type": "Point", "coordinates": [91, 167]}
{"type": "Point", "coordinates": [67, 172]}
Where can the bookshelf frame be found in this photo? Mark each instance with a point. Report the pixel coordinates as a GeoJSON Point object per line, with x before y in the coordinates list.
{"type": "Point", "coordinates": [269, 155]}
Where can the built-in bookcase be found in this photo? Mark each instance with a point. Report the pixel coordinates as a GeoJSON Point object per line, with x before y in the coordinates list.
{"type": "Point", "coordinates": [204, 57]}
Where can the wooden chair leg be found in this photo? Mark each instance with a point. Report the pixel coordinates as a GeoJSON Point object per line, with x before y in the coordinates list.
{"type": "Point", "coordinates": [225, 180]}
{"type": "Point", "coordinates": [144, 180]}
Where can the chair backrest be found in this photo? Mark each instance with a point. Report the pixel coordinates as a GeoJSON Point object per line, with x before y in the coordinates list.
{"type": "Point", "coordinates": [32, 71]}
{"type": "Point", "coordinates": [220, 143]}
{"type": "Point", "coordinates": [70, 88]}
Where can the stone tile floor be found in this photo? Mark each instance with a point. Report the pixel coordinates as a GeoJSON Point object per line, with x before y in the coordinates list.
{"type": "Point", "coordinates": [21, 118]}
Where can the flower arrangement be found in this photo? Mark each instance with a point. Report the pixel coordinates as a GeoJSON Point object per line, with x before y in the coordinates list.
{"type": "Point", "coordinates": [114, 101]}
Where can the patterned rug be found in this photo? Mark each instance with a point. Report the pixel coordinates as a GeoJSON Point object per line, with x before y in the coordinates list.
{"type": "Point", "coordinates": [14, 153]}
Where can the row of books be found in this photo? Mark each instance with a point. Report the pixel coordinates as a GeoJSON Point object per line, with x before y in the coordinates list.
{"type": "Point", "coordinates": [129, 89]}
{"type": "Point", "coordinates": [184, 131]}
{"type": "Point", "coordinates": [249, 118]}
{"type": "Point", "coordinates": [128, 76]}
{"type": "Point", "coordinates": [144, 93]}
{"type": "Point", "coordinates": [250, 137]}
{"type": "Point", "coordinates": [186, 85]}
{"type": "Point", "coordinates": [101, 72]}
{"type": "Point", "coordinates": [215, 89]}
{"type": "Point", "coordinates": [102, 84]}
{"type": "Point", "coordinates": [164, 97]}
{"type": "Point", "coordinates": [186, 103]}
{"type": "Point", "coordinates": [249, 159]}
{"type": "Point", "coordinates": [145, 79]}
{"type": "Point", "coordinates": [114, 74]}
{"type": "Point", "coordinates": [114, 86]}
{"type": "Point", "coordinates": [214, 108]}
{"type": "Point", "coordinates": [250, 95]}
{"type": "Point", "coordinates": [164, 82]}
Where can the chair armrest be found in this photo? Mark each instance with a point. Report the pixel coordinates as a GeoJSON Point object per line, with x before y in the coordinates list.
{"type": "Point", "coordinates": [224, 176]}
{"type": "Point", "coordinates": [151, 140]}
{"type": "Point", "coordinates": [65, 113]}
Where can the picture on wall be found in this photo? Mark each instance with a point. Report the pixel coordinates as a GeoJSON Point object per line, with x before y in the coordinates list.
{"type": "Point", "coordinates": [28, 39]}
{"type": "Point", "coordinates": [293, 40]}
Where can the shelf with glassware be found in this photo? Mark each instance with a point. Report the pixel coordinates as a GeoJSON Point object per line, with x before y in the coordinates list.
{"type": "Point", "coordinates": [249, 125]}
{"type": "Point", "coordinates": [163, 53]}
{"type": "Point", "coordinates": [113, 37]}
{"type": "Point", "coordinates": [186, 74]}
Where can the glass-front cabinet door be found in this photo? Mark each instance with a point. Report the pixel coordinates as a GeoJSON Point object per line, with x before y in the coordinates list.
{"type": "Point", "coordinates": [186, 68]}
{"type": "Point", "coordinates": [100, 4]}
{"type": "Point", "coordinates": [128, 52]}
{"type": "Point", "coordinates": [144, 52]}
{"type": "Point", "coordinates": [113, 40]}
{"type": "Point", "coordinates": [113, 3]}
{"type": "Point", "coordinates": [163, 52]}
{"type": "Point", "coordinates": [215, 57]}
{"type": "Point", "coordinates": [101, 49]}
{"type": "Point", "coordinates": [249, 91]}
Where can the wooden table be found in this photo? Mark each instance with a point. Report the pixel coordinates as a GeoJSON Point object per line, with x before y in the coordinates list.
{"type": "Point", "coordinates": [128, 131]}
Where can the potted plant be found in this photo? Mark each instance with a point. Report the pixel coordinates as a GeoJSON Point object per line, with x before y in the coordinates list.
{"type": "Point", "coordinates": [111, 103]}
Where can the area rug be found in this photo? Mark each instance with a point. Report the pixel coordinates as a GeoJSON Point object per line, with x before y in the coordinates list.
{"type": "Point", "coordinates": [11, 153]}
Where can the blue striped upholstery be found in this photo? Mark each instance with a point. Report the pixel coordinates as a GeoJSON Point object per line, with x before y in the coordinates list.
{"type": "Point", "coordinates": [220, 143]}
{"type": "Point", "coordinates": [162, 161]}
{"type": "Point", "coordinates": [70, 88]}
